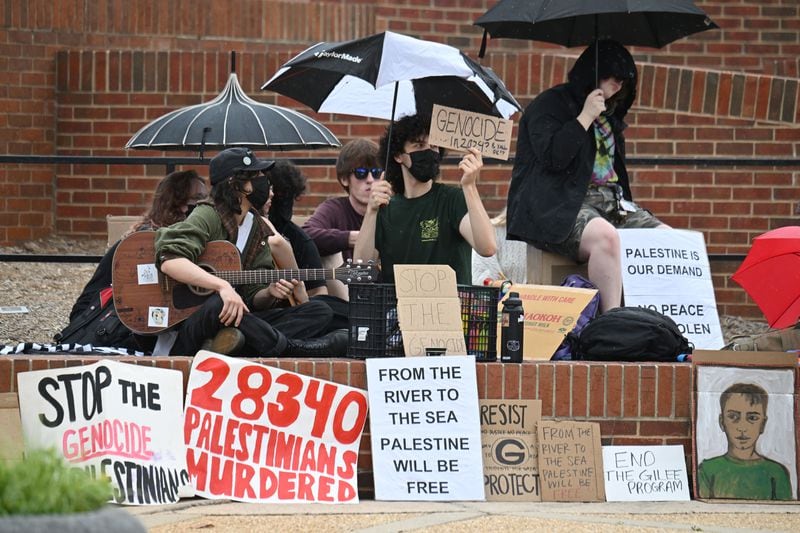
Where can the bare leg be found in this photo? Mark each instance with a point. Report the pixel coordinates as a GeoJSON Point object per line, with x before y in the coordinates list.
{"type": "Point", "coordinates": [600, 249]}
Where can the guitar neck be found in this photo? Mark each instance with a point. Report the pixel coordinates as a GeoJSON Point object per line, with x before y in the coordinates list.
{"type": "Point", "coordinates": [247, 277]}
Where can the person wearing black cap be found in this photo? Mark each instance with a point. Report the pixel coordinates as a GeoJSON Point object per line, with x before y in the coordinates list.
{"type": "Point", "coordinates": [264, 325]}
{"type": "Point", "coordinates": [570, 189]}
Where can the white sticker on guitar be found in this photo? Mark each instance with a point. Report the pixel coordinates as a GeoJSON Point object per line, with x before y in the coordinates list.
{"type": "Point", "coordinates": [157, 317]}
{"type": "Point", "coordinates": [147, 274]}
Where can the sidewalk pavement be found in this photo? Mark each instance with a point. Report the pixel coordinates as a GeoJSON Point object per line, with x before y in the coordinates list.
{"type": "Point", "coordinates": [451, 517]}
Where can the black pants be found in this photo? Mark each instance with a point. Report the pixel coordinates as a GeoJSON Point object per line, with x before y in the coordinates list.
{"type": "Point", "coordinates": [341, 310]}
{"type": "Point", "coordinates": [265, 332]}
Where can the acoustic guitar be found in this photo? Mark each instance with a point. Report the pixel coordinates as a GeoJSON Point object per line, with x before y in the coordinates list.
{"type": "Point", "coordinates": [148, 302]}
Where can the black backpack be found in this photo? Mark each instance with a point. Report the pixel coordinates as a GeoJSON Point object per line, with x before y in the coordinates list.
{"type": "Point", "coordinates": [97, 325]}
{"type": "Point", "coordinates": [630, 334]}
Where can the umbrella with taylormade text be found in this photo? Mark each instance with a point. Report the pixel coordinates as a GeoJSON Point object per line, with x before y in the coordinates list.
{"type": "Point", "coordinates": [389, 75]}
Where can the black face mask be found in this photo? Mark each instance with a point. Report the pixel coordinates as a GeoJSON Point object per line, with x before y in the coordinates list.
{"type": "Point", "coordinates": [280, 210]}
{"type": "Point", "coordinates": [424, 165]}
{"type": "Point", "coordinates": [258, 198]}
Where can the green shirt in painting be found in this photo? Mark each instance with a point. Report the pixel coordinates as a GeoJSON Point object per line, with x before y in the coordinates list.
{"type": "Point", "coordinates": [760, 479]}
{"type": "Point", "coordinates": [424, 231]}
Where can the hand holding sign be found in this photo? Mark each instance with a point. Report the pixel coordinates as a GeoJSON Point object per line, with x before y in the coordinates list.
{"type": "Point", "coordinates": [471, 165]}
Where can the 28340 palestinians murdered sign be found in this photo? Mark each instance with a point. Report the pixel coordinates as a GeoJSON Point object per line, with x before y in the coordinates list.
{"type": "Point", "coordinates": [113, 419]}
{"type": "Point", "coordinates": [260, 434]}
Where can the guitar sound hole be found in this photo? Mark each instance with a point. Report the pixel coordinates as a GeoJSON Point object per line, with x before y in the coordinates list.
{"type": "Point", "coordinates": [184, 296]}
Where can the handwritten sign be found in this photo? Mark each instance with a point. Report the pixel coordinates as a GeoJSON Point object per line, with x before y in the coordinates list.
{"type": "Point", "coordinates": [570, 461]}
{"type": "Point", "coordinates": [461, 130]}
{"type": "Point", "coordinates": [261, 434]}
{"type": "Point", "coordinates": [510, 460]}
{"type": "Point", "coordinates": [112, 419]}
{"type": "Point", "coordinates": [668, 271]}
{"type": "Point", "coordinates": [424, 427]}
{"type": "Point", "coordinates": [645, 473]}
{"type": "Point", "coordinates": [428, 309]}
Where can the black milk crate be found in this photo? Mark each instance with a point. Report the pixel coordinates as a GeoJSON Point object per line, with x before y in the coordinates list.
{"type": "Point", "coordinates": [375, 332]}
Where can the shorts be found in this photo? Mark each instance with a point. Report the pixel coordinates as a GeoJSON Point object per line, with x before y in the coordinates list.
{"type": "Point", "coordinates": [603, 202]}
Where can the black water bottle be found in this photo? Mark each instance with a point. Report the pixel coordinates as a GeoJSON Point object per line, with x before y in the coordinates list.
{"type": "Point", "coordinates": [513, 329]}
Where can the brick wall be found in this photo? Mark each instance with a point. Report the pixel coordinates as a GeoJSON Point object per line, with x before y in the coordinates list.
{"type": "Point", "coordinates": [635, 404]}
{"type": "Point", "coordinates": [83, 76]}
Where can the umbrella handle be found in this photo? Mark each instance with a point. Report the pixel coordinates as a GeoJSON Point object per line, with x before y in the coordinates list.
{"type": "Point", "coordinates": [389, 133]}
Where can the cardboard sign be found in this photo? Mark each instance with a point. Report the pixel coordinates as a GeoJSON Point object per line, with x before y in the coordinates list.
{"type": "Point", "coordinates": [550, 313]}
{"type": "Point", "coordinates": [570, 461]}
{"type": "Point", "coordinates": [113, 419]}
{"type": "Point", "coordinates": [424, 428]}
{"type": "Point", "coordinates": [668, 271]}
{"type": "Point", "coordinates": [260, 434]}
{"type": "Point", "coordinates": [510, 457]}
{"type": "Point", "coordinates": [461, 130]}
{"type": "Point", "coordinates": [428, 309]}
{"type": "Point", "coordinates": [744, 421]}
{"type": "Point", "coordinates": [645, 473]}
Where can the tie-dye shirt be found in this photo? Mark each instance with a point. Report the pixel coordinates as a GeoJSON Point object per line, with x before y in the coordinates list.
{"type": "Point", "coordinates": [603, 172]}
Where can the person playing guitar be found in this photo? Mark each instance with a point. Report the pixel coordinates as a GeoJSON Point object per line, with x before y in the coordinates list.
{"type": "Point", "coordinates": [257, 310]}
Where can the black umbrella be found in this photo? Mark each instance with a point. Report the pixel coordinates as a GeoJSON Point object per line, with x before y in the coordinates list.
{"type": "Point", "coordinates": [233, 119]}
{"type": "Point", "coordinates": [653, 23]}
{"type": "Point", "coordinates": [390, 75]}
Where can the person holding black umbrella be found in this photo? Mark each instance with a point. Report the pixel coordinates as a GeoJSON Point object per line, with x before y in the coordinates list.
{"type": "Point", "coordinates": [570, 188]}
{"type": "Point", "coordinates": [411, 219]}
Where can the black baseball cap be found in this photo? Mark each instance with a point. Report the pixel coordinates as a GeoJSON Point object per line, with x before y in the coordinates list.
{"type": "Point", "coordinates": [232, 160]}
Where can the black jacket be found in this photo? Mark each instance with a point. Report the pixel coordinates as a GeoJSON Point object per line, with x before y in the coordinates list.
{"type": "Point", "coordinates": [555, 155]}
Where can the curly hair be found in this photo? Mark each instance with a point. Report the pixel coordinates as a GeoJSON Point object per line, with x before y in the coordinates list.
{"type": "Point", "coordinates": [287, 179]}
{"type": "Point", "coordinates": [406, 129]}
{"type": "Point", "coordinates": [172, 194]}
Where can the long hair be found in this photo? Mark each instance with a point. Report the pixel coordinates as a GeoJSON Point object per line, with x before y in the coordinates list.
{"type": "Point", "coordinates": [225, 196]}
{"type": "Point", "coordinates": [172, 194]}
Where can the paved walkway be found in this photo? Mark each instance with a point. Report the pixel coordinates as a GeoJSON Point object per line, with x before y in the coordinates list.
{"type": "Point", "coordinates": [380, 517]}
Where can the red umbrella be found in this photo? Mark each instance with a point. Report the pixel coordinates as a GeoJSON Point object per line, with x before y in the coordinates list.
{"type": "Point", "coordinates": [771, 275]}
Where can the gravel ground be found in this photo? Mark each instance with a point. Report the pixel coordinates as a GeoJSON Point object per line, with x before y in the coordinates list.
{"type": "Point", "coordinates": [48, 290]}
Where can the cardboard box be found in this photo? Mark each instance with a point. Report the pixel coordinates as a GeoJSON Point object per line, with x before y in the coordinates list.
{"type": "Point", "coordinates": [550, 313]}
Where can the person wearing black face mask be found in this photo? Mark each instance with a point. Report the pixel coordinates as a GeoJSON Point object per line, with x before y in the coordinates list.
{"type": "Point", "coordinates": [251, 318]}
{"type": "Point", "coordinates": [288, 184]}
{"type": "Point", "coordinates": [411, 219]}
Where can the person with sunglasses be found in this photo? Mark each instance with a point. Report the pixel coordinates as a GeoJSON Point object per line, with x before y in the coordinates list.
{"type": "Point", "coordinates": [335, 224]}
{"type": "Point", "coordinates": [255, 315]}
{"type": "Point", "coordinates": [412, 219]}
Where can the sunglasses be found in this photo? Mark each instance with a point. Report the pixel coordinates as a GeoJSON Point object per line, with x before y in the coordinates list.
{"type": "Point", "coordinates": [361, 173]}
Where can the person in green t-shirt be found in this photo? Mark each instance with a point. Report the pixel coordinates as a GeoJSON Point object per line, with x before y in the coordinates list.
{"type": "Point", "coordinates": [743, 473]}
{"type": "Point", "coordinates": [411, 219]}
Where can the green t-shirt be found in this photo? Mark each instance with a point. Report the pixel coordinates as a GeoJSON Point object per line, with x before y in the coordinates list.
{"type": "Point", "coordinates": [726, 477]}
{"type": "Point", "coordinates": [424, 231]}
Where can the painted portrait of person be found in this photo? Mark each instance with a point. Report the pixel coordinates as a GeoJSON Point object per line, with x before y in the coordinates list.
{"type": "Point", "coordinates": [745, 434]}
